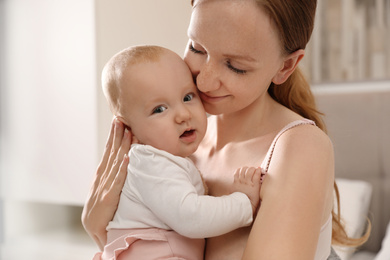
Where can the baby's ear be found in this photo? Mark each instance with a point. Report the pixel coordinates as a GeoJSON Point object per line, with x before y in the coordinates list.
{"type": "Point", "coordinates": [120, 118]}
{"type": "Point", "coordinates": [123, 121]}
{"type": "Point", "coordinates": [135, 140]}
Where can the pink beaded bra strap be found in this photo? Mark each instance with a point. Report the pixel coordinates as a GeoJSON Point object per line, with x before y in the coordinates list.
{"type": "Point", "coordinates": [267, 159]}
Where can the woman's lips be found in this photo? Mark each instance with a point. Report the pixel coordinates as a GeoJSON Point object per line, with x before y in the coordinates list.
{"type": "Point", "coordinates": [210, 99]}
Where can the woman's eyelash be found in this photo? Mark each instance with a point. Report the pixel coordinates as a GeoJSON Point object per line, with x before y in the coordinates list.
{"type": "Point", "coordinates": [230, 66]}
{"type": "Point", "coordinates": [194, 50]}
{"type": "Point", "coordinates": [234, 69]}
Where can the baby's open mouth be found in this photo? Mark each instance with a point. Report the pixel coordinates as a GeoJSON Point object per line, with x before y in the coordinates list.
{"type": "Point", "coordinates": [187, 133]}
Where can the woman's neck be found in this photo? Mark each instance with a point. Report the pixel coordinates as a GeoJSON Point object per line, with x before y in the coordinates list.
{"type": "Point", "coordinates": [247, 124]}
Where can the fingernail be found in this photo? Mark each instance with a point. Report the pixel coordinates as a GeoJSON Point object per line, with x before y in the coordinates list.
{"type": "Point", "coordinates": [117, 122]}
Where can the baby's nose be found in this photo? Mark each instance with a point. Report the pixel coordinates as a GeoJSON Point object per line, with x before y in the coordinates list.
{"type": "Point", "coordinates": [183, 114]}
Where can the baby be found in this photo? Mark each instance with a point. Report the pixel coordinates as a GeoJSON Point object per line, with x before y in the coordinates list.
{"type": "Point", "coordinates": [163, 211]}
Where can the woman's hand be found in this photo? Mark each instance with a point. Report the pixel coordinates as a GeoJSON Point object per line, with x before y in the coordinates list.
{"type": "Point", "coordinates": [103, 198]}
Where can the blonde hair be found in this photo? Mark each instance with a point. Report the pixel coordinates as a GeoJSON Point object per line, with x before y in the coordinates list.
{"type": "Point", "coordinates": [115, 68]}
{"type": "Point", "coordinates": [294, 21]}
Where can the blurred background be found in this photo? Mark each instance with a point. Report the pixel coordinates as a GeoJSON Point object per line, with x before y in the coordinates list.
{"type": "Point", "coordinates": [350, 42]}
{"type": "Point", "coordinates": [54, 120]}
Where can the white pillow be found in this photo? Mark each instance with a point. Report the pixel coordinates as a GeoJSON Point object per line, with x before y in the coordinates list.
{"type": "Point", "coordinates": [355, 198]}
{"type": "Point", "coordinates": [384, 253]}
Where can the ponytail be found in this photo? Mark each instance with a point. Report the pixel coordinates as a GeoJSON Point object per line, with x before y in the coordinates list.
{"type": "Point", "coordinates": [296, 95]}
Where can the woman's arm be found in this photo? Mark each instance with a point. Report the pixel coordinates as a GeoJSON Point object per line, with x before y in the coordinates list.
{"type": "Point", "coordinates": [107, 185]}
{"type": "Point", "coordinates": [297, 195]}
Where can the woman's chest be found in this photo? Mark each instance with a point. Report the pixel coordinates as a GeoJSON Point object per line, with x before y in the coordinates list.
{"type": "Point", "coordinates": [218, 167]}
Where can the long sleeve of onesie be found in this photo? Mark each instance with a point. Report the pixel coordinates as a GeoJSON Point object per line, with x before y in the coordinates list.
{"type": "Point", "coordinates": [171, 189]}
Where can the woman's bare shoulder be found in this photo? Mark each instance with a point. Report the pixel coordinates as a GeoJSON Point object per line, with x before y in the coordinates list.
{"type": "Point", "coordinates": [297, 191]}
{"type": "Point", "coordinates": [305, 137]}
{"type": "Point", "coordinates": [300, 153]}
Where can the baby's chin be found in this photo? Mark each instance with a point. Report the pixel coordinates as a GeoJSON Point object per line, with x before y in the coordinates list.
{"type": "Point", "coordinates": [187, 152]}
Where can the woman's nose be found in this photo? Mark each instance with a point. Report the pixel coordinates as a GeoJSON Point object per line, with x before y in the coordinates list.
{"type": "Point", "coordinates": [183, 114]}
{"type": "Point", "coordinates": [207, 79]}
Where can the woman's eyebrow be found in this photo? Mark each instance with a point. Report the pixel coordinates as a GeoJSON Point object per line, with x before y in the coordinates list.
{"type": "Point", "coordinates": [240, 57]}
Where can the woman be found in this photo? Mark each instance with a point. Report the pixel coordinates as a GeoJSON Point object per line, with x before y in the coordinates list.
{"type": "Point", "coordinates": [243, 55]}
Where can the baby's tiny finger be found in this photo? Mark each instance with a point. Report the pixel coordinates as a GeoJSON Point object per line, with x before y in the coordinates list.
{"type": "Point", "coordinates": [249, 175]}
{"type": "Point", "coordinates": [243, 174]}
{"type": "Point", "coordinates": [257, 175]}
{"type": "Point", "coordinates": [237, 175]}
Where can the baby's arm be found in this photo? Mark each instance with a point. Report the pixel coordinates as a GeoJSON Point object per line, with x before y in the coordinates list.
{"type": "Point", "coordinates": [247, 181]}
{"type": "Point", "coordinates": [168, 189]}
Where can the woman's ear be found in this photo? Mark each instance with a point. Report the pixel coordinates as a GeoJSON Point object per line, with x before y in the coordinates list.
{"type": "Point", "coordinates": [291, 61]}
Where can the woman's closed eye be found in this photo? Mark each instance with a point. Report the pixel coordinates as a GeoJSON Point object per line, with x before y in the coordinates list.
{"type": "Point", "coordinates": [234, 69]}
{"type": "Point", "coordinates": [196, 51]}
{"type": "Point", "coordinates": [228, 63]}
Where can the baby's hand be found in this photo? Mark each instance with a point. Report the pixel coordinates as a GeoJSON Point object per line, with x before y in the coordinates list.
{"type": "Point", "coordinates": [247, 181]}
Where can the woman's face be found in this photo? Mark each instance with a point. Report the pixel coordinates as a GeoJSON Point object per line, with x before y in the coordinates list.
{"type": "Point", "coordinates": [233, 52]}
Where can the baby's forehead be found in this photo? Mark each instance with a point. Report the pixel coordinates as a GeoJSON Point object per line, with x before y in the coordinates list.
{"type": "Point", "coordinates": [142, 75]}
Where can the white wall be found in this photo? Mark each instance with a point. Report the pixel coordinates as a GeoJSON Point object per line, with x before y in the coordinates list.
{"type": "Point", "coordinates": [48, 100]}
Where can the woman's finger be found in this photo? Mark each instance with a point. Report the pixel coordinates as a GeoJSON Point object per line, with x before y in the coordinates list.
{"type": "Point", "coordinates": [120, 177]}
{"type": "Point", "coordinates": [106, 154]}
{"type": "Point", "coordinates": [125, 145]}
{"type": "Point", "coordinates": [109, 143]}
{"type": "Point", "coordinates": [116, 143]}
{"type": "Point", "coordinates": [116, 163]}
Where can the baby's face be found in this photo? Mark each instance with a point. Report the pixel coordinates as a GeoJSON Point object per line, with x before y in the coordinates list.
{"type": "Point", "coordinates": [161, 105]}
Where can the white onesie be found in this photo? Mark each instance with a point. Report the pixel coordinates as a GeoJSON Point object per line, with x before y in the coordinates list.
{"type": "Point", "coordinates": [166, 191]}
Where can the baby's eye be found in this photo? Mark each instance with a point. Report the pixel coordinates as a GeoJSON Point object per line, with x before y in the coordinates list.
{"type": "Point", "coordinates": [159, 109]}
{"type": "Point", "coordinates": [188, 97]}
